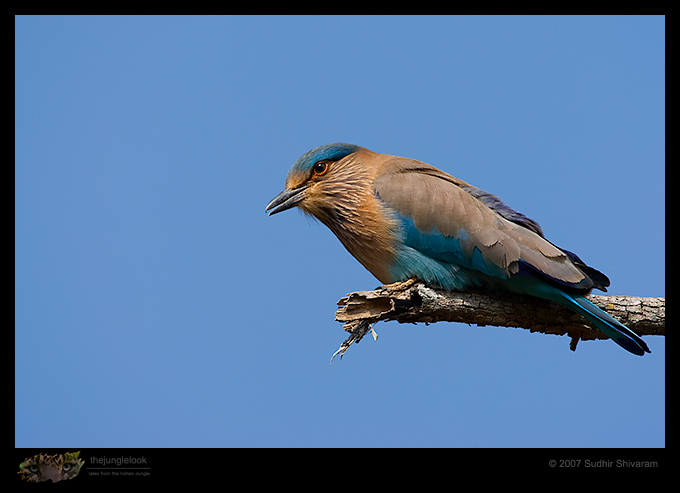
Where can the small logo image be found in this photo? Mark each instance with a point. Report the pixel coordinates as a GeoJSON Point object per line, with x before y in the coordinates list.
{"type": "Point", "coordinates": [51, 467]}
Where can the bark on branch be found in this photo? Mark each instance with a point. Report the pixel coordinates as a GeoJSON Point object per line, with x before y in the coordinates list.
{"type": "Point", "coordinates": [411, 302]}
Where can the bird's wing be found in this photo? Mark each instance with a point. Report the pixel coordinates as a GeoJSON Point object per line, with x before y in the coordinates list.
{"type": "Point", "coordinates": [443, 220]}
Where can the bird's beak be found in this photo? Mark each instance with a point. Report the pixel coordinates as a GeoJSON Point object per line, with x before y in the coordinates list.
{"type": "Point", "coordinates": [287, 199]}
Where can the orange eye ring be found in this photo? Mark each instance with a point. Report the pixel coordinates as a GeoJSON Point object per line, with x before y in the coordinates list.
{"type": "Point", "coordinates": [320, 168]}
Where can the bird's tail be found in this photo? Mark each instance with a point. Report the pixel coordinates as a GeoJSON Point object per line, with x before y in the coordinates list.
{"type": "Point", "coordinates": [618, 332]}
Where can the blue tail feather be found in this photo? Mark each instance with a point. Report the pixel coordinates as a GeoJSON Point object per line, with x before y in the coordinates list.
{"type": "Point", "coordinates": [618, 332]}
{"type": "Point", "coordinates": [611, 327]}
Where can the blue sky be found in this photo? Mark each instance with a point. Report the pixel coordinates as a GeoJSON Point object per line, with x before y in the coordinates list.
{"type": "Point", "coordinates": [157, 305]}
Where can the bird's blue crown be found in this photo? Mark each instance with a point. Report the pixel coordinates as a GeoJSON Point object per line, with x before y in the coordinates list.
{"type": "Point", "coordinates": [331, 152]}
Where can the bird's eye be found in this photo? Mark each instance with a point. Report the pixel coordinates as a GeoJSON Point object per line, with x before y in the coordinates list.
{"type": "Point", "coordinates": [320, 167]}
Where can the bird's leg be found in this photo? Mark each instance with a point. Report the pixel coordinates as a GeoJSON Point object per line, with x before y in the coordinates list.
{"type": "Point", "coordinates": [398, 286]}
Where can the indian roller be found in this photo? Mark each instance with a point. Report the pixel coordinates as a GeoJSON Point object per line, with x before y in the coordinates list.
{"type": "Point", "coordinates": [402, 219]}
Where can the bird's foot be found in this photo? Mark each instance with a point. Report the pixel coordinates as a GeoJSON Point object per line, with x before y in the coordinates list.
{"type": "Point", "coordinates": [398, 286]}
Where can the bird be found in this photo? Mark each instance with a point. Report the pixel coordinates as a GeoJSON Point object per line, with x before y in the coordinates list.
{"type": "Point", "coordinates": [405, 219]}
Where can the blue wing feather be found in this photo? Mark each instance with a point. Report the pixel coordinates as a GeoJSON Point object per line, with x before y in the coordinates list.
{"type": "Point", "coordinates": [442, 260]}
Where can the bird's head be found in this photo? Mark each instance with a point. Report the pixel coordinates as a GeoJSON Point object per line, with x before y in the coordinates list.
{"type": "Point", "coordinates": [318, 181]}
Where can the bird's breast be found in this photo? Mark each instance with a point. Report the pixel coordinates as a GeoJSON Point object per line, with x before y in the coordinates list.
{"type": "Point", "coordinates": [369, 232]}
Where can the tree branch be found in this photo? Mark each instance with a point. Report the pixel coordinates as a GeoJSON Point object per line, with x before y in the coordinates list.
{"type": "Point", "coordinates": [411, 302]}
